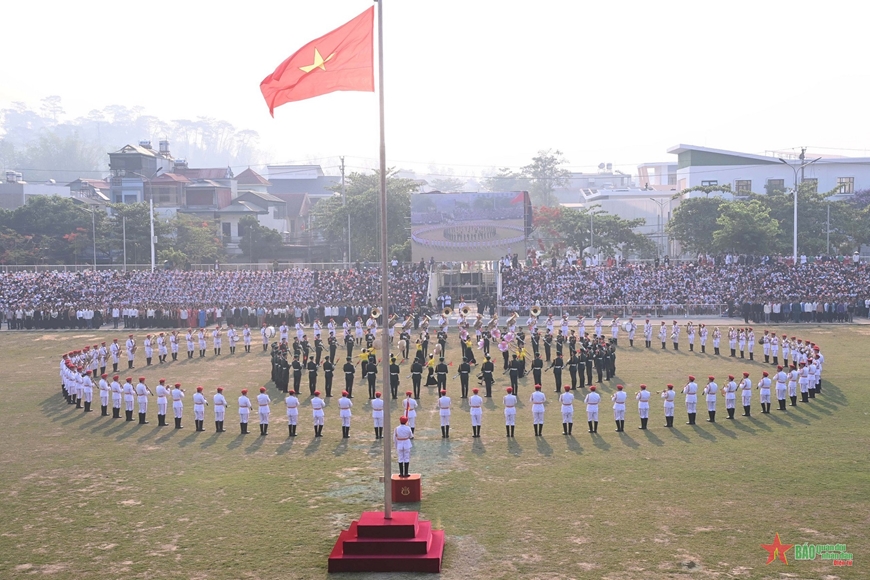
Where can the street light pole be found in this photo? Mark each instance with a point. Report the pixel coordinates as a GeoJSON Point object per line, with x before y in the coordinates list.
{"type": "Point", "coordinates": [796, 168]}
{"type": "Point", "coordinates": [661, 204]}
{"type": "Point", "coordinates": [124, 234]}
{"type": "Point", "coordinates": [151, 210]}
{"type": "Point", "coordinates": [94, 235]}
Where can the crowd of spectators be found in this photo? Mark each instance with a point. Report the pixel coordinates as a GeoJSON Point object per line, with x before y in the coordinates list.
{"type": "Point", "coordinates": [56, 299]}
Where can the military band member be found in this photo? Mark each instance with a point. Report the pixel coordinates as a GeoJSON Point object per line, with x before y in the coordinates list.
{"type": "Point", "coordinates": [764, 392]}
{"type": "Point", "coordinates": [371, 373]}
{"type": "Point", "coordinates": [643, 397]}
{"type": "Point", "coordinates": [265, 336]}
{"type": "Point", "coordinates": [129, 398]}
{"type": "Point", "coordinates": [475, 405]}
{"type": "Point", "coordinates": [444, 413]}
{"type": "Point", "coordinates": [173, 344]}
{"type": "Point", "coordinates": [732, 341]}
{"type": "Point", "coordinates": [647, 333]}
{"type": "Point", "coordinates": [244, 411]}
{"type": "Point", "coordinates": [162, 393]}
{"type": "Point", "coordinates": [566, 399]}
{"type": "Point", "coordinates": [190, 343]}
{"type": "Point", "coordinates": [142, 394]}
{"type": "Point", "coordinates": [292, 404]}
{"type": "Point", "coordinates": [131, 351]}
{"type": "Point", "coordinates": [573, 361]}
{"type": "Point", "coordinates": [220, 407]}
{"type": "Point", "coordinates": [548, 342]}
{"type": "Point", "coordinates": [317, 405]}
{"type": "Point", "coordinates": [691, 392]}
{"type": "Point", "coordinates": [774, 349]}
{"type": "Point", "coordinates": [792, 385]}
{"type": "Point", "coordinates": [717, 337]}
{"type": "Point", "coordinates": [199, 404]}
{"type": "Point", "coordinates": [663, 335]}
{"type": "Point", "coordinates": [378, 415]}
{"type": "Point", "coordinates": [87, 390]}
{"type": "Point", "coordinates": [162, 352]}
{"type": "Point", "coordinates": [394, 377]}
{"type": "Point", "coordinates": [104, 395]}
{"type": "Point", "coordinates": [702, 334]}
{"type": "Point", "coordinates": [115, 351]}
{"type": "Point", "coordinates": [619, 398]}
{"type": "Point", "coordinates": [741, 342]}
{"type": "Point", "coordinates": [710, 391]}
{"type": "Point", "coordinates": [804, 381]}
{"type": "Point", "coordinates": [344, 405]}
{"type": "Point", "coordinates": [201, 342]}
{"type": "Point", "coordinates": [441, 371]}
{"type": "Point", "coordinates": [537, 400]}
{"type": "Point", "coordinates": [116, 397]}
{"type": "Point", "coordinates": [781, 379]}
{"type": "Point", "coordinates": [149, 351]}
{"type": "Point", "coordinates": [410, 407]}
{"type": "Point", "coordinates": [750, 340]}
{"type": "Point", "coordinates": [510, 411]}
{"type": "Point", "coordinates": [177, 395]}
{"type": "Point", "coordinates": [464, 372]}
{"type": "Point", "coordinates": [669, 396]}
{"type": "Point", "coordinates": [690, 335]}
{"type": "Point", "coordinates": [745, 388]}
{"type": "Point", "coordinates": [592, 399]}
{"type": "Point", "coordinates": [402, 436]}
{"type": "Point", "coordinates": [246, 338]}
{"type": "Point", "coordinates": [232, 338]}
{"type": "Point", "coordinates": [297, 373]}
{"type": "Point", "coordinates": [557, 365]}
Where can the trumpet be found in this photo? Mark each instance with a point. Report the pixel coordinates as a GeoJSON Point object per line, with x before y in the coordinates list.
{"type": "Point", "coordinates": [535, 310]}
{"type": "Point", "coordinates": [447, 311]}
{"type": "Point", "coordinates": [376, 313]}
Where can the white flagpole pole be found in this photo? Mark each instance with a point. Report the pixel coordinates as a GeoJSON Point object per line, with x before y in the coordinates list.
{"type": "Point", "coordinates": [385, 282]}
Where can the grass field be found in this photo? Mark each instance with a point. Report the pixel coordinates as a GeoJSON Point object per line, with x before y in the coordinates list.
{"type": "Point", "coordinates": [84, 496]}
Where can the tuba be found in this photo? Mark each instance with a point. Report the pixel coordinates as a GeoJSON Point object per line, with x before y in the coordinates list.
{"type": "Point", "coordinates": [447, 311]}
{"type": "Point", "coordinates": [535, 310]}
{"type": "Point", "coordinates": [466, 310]}
{"type": "Point", "coordinates": [513, 318]}
{"type": "Point", "coordinates": [376, 313]}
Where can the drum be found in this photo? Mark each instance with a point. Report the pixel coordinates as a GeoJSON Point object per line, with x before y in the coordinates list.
{"type": "Point", "coordinates": [270, 331]}
{"type": "Point", "coordinates": [626, 326]}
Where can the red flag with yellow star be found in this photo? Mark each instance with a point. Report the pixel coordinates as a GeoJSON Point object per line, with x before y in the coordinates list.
{"type": "Point", "coordinates": [341, 60]}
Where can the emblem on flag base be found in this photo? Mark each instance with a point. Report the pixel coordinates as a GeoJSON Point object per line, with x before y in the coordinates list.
{"type": "Point", "coordinates": [401, 544]}
{"type": "Point", "coordinates": [406, 489]}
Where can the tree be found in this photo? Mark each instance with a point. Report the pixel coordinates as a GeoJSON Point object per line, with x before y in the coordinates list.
{"type": "Point", "coordinates": [363, 194]}
{"type": "Point", "coordinates": [694, 222]}
{"type": "Point", "coordinates": [196, 239]}
{"type": "Point", "coordinates": [545, 175]}
{"type": "Point", "coordinates": [138, 232]}
{"type": "Point", "coordinates": [745, 227]}
{"type": "Point", "coordinates": [257, 242]}
{"type": "Point", "coordinates": [447, 184]}
{"type": "Point", "coordinates": [611, 235]}
{"type": "Point", "coordinates": [505, 179]}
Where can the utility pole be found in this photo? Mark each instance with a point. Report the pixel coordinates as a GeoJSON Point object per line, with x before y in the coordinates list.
{"type": "Point", "coordinates": [124, 234]}
{"type": "Point", "coordinates": [344, 204]}
{"type": "Point", "coordinates": [802, 156]}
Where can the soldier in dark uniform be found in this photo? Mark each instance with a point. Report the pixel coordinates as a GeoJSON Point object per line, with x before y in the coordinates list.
{"type": "Point", "coordinates": [572, 368]}
{"type": "Point", "coordinates": [572, 344]}
{"type": "Point", "coordinates": [485, 338]}
{"type": "Point", "coordinates": [557, 365]}
{"type": "Point", "coordinates": [311, 366]}
{"type": "Point", "coordinates": [441, 371]}
{"type": "Point", "coordinates": [349, 371]}
{"type": "Point", "coordinates": [612, 359]}
{"type": "Point", "coordinates": [487, 369]}
{"type": "Point", "coordinates": [581, 366]}
{"type": "Point", "coordinates": [318, 350]}
{"type": "Point", "coordinates": [442, 340]}
{"type": "Point", "coordinates": [424, 344]}
{"type": "Point", "coordinates": [514, 372]}
{"type": "Point", "coordinates": [328, 370]}
{"type": "Point", "coordinates": [536, 344]}
{"type": "Point", "coordinates": [297, 348]}
{"type": "Point", "coordinates": [370, 340]}
{"type": "Point", "coordinates": [548, 342]}
{"type": "Point", "coordinates": [560, 343]}
{"type": "Point", "coordinates": [348, 343]}
{"type": "Point", "coordinates": [537, 368]}
{"type": "Point", "coordinates": [464, 372]}
{"type": "Point", "coordinates": [372, 375]}
{"type": "Point", "coordinates": [590, 355]}
{"type": "Point", "coordinates": [306, 348]}
{"type": "Point", "coordinates": [297, 373]}
{"type": "Point", "coordinates": [599, 362]}
{"type": "Point", "coordinates": [416, 376]}
{"type": "Point", "coordinates": [332, 342]}
{"type": "Point", "coordinates": [394, 377]}
{"type": "Point", "coordinates": [274, 364]}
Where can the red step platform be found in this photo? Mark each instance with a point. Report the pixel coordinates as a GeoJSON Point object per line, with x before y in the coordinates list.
{"type": "Point", "coordinates": [401, 544]}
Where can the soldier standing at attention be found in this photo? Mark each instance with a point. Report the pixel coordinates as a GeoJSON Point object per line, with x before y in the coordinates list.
{"type": "Point", "coordinates": [781, 380]}
{"type": "Point", "coordinates": [402, 440]}
{"type": "Point", "coordinates": [244, 411]}
{"type": "Point", "coordinates": [537, 400]}
{"type": "Point", "coordinates": [104, 395]}
{"type": "Point", "coordinates": [729, 391]}
{"type": "Point", "coordinates": [378, 415]}
{"type": "Point", "coordinates": [691, 391]}
{"type": "Point", "coordinates": [199, 404]}
{"type": "Point", "coordinates": [764, 389]}
{"type": "Point", "coordinates": [567, 401]}
{"type": "Point", "coordinates": [142, 393]}
{"type": "Point", "coordinates": [297, 373]}
{"type": "Point", "coordinates": [444, 412]}
{"type": "Point", "coordinates": [162, 393]}
{"type": "Point", "coordinates": [510, 411]}
{"type": "Point", "coordinates": [592, 399]}
{"type": "Point", "coordinates": [317, 405]}
{"type": "Point", "coordinates": [557, 365]}
{"type": "Point", "coordinates": [464, 372]}
{"type": "Point", "coordinates": [371, 374]}
{"type": "Point", "coordinates": [344, 405]}
{"type": "Point", "coordinates": [394, 378]}
{"type": "Point", "coordinates": [410, 407]}
{"type": "Point", "coordinates": [487, 369]}
{"type": "Point", "coordinates": [746, 394]}
{"type": "Point", "coordinates": [710, 391]}
{"type": "Point", "coordinates": [416, 376]}
{"type": "Point", "coordinates": [116, 398]}
{"type": "Point", "coordinates": [220, 408]}
{"type": "Point", "coordinates": [328, 371]}
{"type": "Point", "coordinates": [669, 396]}
{"type": "Point", "coordinates": [441, 371]}
{"type": "Point", "coordinates": [177, 404]}
{"type": "Point", "coordinates": [311, 366]}
{"type": "Point", "coordinates": [643, 406]}
{"type": "Point", "coordinates": [349, 370]}
{"type": "Point", "coordinates": [618, 399]}
{"type": "Point", "coordinates": [292, 404]}
{"type": "Point", "coordinates": [475, 404]}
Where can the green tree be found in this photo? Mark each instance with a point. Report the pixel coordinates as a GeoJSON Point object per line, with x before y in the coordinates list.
{"type": "Point", "coordinates": [138, 232]}
{"type": "Point", "coordinates": [563, 227]}
{"type": "Point", "coordinates": [195, 238]}
{"type": "Point", "coordinates": [745, 227]}
{"type": "Point", "coordinates": [257, 242]}
{"type": "Point", "coordinates": [695, 221]}
{"type": "Point", "coordinates": [505, 179]}
{"type": "Point", "coordinates": [447, 184]}
{"type": "Point", "coordinates": [63, 158]}
{"type": "Point", "coordinates": [363, 194]}
{"type": "Point", "coordinates": [544, 175]}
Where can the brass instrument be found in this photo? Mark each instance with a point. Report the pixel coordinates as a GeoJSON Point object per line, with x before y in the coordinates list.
{"type": "Point", "coordinates": [535, 311]}
{"type": "Point", "coordinates": [447, 311]}
{"type": "Point", "coordinates": [376, 313]}
{"type": "Point", "coordinates": [466, 310]}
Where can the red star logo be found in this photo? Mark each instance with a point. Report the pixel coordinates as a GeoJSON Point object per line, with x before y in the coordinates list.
{"type": "Point", "coordinates": [777, 550]}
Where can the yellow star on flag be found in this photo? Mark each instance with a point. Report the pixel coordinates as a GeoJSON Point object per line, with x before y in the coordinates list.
{"type": "Point", "coordinates": [319, 62]}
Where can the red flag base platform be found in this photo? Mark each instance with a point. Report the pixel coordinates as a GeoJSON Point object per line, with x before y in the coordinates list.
{"type": "Point", "coordinates": [401, 544]}
{"type": "Point", "coordinates": [406, 489]}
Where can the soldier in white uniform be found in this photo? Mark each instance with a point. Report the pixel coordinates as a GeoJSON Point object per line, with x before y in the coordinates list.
{"type": "Point", "coordinates": [669, 396]}
{"type": "Point", "coordinates": [643, 406]}
{"type": "Point", "coordinates": [691, 392]}
{"type": "Point", "coordinates": [537, 400]}
{"type": "Point", "coordinates": [246, 338]}
{"type": "Point", "coordinates": [217, 340]}
{"type": "Point", "coordinates": [804, 381]}
{"type": "Point", "coordinates": [129, 398]}
{"type": "Point", "coordinates": [592, 399]}
{"type": "Point", "coordinates": [344, 405]}
{"type": "Point", "coordinates": [729, 391]}
{"type": "Point", "coordinates": [764, 390]}
{"type": "Point", "coordinates": [792, 385]}
{"type": "Point", "coordinates": [104, 395]}
{"type": "Point", "coordinates": [510, 411]}
{"type": "Point", "coordinates": [232, 338]}
{"type": "Point", "coordinates": [199, 403]}
{"type": "Point", "coordinates": [746, 394]}
{"type": "Point", "coordinates": [317, 405]}
{"type": "Point", "coordinates": [690, 335]}
{"type": "Point", "coordinates": [142, 394]}
{"type": "Point", "coordinates": [131, 351]}
{"type": "Point", "coordinates": [402, 440]}
{"type": "Point", "coordinates": [220, 408]}
{"type": "Point", "coordinates": [632, 329]}
{"type": "Point", "coordinates": [116, 397]}
{"type": "Point", "coordinates": [201, 343]}
{"type": "Point", "coordinates": [710, 391]}
{"type": "Point", "coordinates": [781, 379]}
{"type": "Point", "coordinates": [177, 404]}
{"type": "Point", "coordinates": [190, 343]}
{"type": "Point", "coordinates": [115, 351]}
{"type": "Point", "coordinates": [244, 411]}
{"type": "Point", "coordinates": [162, 353]}
{"type": "Point", "coordinates": [567, 401]}
{"type": "Point", "coordinates": [87, 390]}
{"type": "Point", "coordinates": [750, 339]}
{"type": "Point", "coordinates": [410, 407]}
{"type": "Point", "coordinates": [149, 351]}
{"type": "Point", "coordinates": [283, 331]}
{"type": "Point", "coordinates": [173, 344]}
{"type": "Point", "coordinates": [702, 334]}
{"type": "Point", "coordinates": [292, 404]}
{"type": "Point", "coordinates": [663, 335]}
{"type": "Point", "coordinates": [264, 334]}
{"type": "Point", "coordinates": [647, 333]}
{"type": "Point", "coordinates": [614, 329]}
{"type": "Point", "coordinates": [774, 350]}
{"type": "Point", "coordinates": [263, 402]}
{"type": "Point", "coordinates": [765, 345]}
{"type": "Point", "coordinates": [717, 338]}
{"type": "Point", "coordinates": [619, 398]}
{"type": "Point", "coordinates": [444, 413]}
{"type": "Point", "coordinates": [378, 415]}
{"type": "Point", "coordinates": [475, 406]}
{"type": "Point", "coordinates": [162, 393]}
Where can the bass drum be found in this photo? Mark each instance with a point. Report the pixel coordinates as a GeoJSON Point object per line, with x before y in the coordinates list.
{"type": "Point", "coordinates": [626, 326]}
{"type": "Point", "coordinates": [270, 331]}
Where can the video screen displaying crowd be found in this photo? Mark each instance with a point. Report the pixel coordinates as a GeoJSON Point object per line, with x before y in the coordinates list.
{"type": "Point", "coordinates": [172, 298]}
{"type": "Point", "coordinates": [759, 290]}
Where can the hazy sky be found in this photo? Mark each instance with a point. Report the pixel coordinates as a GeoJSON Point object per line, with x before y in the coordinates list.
{"type": "Point", "coordinates": [471, 85]}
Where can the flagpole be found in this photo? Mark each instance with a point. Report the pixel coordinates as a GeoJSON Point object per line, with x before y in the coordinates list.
{"type": "Point", "coordinates": [385, 281]}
